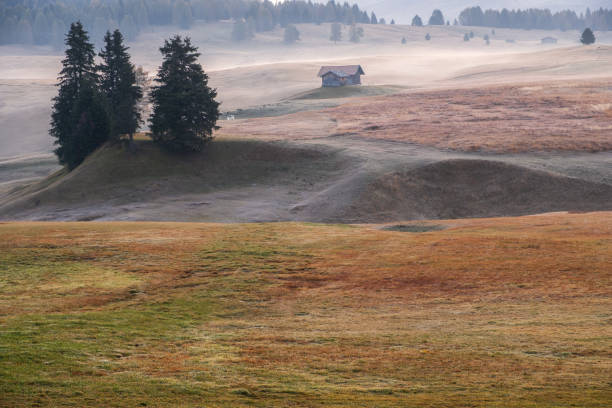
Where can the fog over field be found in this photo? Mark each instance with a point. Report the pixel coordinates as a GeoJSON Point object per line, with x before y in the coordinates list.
{"type": "Point", "coordinates": [265, 70]}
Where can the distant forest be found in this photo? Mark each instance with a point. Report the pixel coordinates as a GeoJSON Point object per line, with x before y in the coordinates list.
{"type": "Point", "coordinates": [537, 19]}
{"type": "Point", "coordinates": [45, 22]}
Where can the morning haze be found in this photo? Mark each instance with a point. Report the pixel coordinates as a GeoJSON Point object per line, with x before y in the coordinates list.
{"type": "Point", "coordinates": [243, 203]}
{"type": "Point", "coordinates": [404, 10]}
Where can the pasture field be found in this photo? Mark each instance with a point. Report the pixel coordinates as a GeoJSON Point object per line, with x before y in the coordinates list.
{"type": "Point", "coordinates": [511, 312]}
{"type": "Point", "coordinates": [571, 116]}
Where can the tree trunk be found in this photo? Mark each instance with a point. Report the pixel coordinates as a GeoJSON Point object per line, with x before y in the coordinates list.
{"type": "Point", "coordinates": [131, 143]}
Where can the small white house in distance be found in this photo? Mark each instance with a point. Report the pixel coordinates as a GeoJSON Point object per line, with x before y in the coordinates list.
{"type": "Point", "coordinates": [333, 76]}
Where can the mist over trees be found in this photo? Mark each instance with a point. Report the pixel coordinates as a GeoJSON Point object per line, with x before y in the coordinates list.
{"type": "Point", "coordinates": [242, 31]}
{"type": "Point", "coordinates": [537, 19]}
{"type": "Point", "coordinates": [335, 32]}
{"type": "Point", "coordinates": [291, 34]}
{"type": "Point", "coordinates": [437, 18]}
{"type": "Point", "coordinates": [44, 22]}
{"type": "Point", "coordinates": [355, 33]}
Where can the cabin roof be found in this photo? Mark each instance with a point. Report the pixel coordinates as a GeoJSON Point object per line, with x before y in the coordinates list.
{"type": "Point", "coordinates": [342, 70]}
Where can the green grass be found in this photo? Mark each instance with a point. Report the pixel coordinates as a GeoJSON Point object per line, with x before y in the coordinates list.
{"type": "Point", "coordinates": [348, 92]}
{"type": "Point", "coordinates": [306, 315]}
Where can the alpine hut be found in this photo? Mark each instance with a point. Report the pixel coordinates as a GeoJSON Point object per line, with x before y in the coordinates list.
{"type": "Point", "coordinates": [332, 76]}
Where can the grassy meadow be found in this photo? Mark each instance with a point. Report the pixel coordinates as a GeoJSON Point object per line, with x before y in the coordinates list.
{"type": "Point", "coordinates": [511, 312]}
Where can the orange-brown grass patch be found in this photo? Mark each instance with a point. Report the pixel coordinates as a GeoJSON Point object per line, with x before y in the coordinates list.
{"type": "Point", "coordinates": [487, 312]}
{"type": "Point", "coordinates": [517, 118]}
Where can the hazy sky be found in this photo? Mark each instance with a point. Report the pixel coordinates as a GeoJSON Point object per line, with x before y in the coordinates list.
{"type": "Point", "coordinates": [404, 10]}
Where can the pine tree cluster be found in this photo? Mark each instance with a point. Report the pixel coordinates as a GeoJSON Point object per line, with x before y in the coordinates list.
{"type": "Point", "coordinates": [98, 103]}
{"type": "Point", "coordinates": [81, 119]}
{"type": "Point", "coordinates": [44, 22]}
{"type": "Point", "coordinates": [537, 19]}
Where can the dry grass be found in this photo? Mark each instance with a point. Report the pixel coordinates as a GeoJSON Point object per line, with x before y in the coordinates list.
{"type": "Point", "coordinates": [553, 116]}
{"type": "Point", "coordinates": [491, 312]}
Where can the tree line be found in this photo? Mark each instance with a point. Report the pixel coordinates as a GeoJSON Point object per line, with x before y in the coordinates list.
{"type": "Point", "coordinates": [97, 103]}
{"type": "Point", "coordinates": [44, 22]}
{"type": "Point", "coordinates": [542, 19]}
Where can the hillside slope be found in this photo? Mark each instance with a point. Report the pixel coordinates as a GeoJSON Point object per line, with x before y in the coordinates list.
{"type": "Point", "coordinates": [351, 181]}
{"type": "Point", "coordinates": [474, 188]}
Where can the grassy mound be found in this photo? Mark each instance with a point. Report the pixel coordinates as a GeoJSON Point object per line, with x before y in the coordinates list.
{"type": "Point", "coordinates": [475, 188]}
{"type": "Point", "coordinates": [114, 176]}
{"type": "Point", "coordinates": [347, 92]}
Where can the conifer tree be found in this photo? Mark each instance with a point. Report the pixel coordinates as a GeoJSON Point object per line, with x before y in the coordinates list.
{"type": "Point", "coordinates": [185, 111]}
{"type": "Point", "coordinates": [336, 32]}
{"type": "Point", "coordinates": [587, 37]}
{"type": "Point", "coordinates": [118, 84]}
{"type": "Point", "coordinates": [242, 31]}
{"type": "Point", "coordinates": [79, 121]}
{"type": "Point", "coordinates": [291, 34]}
{"type": "Point", "coordinates": [417, 22]}
{"type": "Point", "coordinates": [437, 18]}
{"type": "Point", "coordinates": [355, 33]}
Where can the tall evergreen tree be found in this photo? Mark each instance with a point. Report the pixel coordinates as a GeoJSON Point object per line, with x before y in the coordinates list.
{"type": "Point", "coordinates": [242, 31]}
{"type": "Point", "coordinates": [79, 121]}
{"type": "Point", "coordinates": [118, 84]}
{"type": "Point", "coordinates": [291, 34]}
{"type": "Point", "coordinates": [185, 111]}
{"type": "Point", "coordinates": [437, 18]}
{"type": "Point", "coordinates": [588, 37]}
{"type": "Point", "coordinates": [373, 19]}
{"type": "Point", "coordinates": [355, 33]}
{"type": "Point", "coordinates": [336, 32]}
{"type": "Point", "coordinates": [417, 22]}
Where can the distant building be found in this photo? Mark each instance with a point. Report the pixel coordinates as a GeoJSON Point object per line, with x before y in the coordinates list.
{"type": "Point", "coordinates": [334, 76]}
{"type": "Point", "coordinates": [549, 40]}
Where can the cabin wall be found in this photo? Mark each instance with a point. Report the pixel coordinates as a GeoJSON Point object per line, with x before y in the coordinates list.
{"type": "Point", "coordinates": [331, 80]}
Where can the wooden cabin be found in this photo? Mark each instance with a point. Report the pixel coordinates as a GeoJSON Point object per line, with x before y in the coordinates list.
{"type": "Point", "coordinates": [334, 76]}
